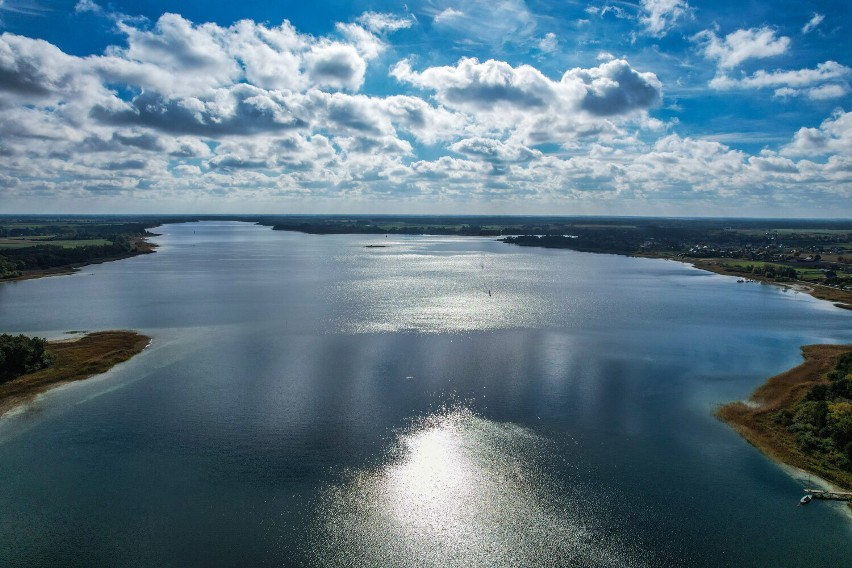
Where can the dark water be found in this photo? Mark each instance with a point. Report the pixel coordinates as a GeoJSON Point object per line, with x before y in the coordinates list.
{"type": "Point", "coordinates": [307, 401]}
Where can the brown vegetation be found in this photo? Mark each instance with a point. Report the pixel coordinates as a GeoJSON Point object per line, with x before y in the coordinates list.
{"type": "Point", "coordinates": [757, 420]}
{"type": "Point", "coordinates": [75, 360]}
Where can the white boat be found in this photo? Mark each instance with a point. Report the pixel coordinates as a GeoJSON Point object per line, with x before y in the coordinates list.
{"type": "Point", "coordinates": [805, 500]}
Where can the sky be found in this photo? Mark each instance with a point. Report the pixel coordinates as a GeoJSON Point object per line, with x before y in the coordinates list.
{"type": "Point", "coordinates": [656, 107]}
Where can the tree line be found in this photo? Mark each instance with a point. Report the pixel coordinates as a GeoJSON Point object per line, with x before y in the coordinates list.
{"type": "Point", "coordinates": [822, 421]}
{"type": "Point", "coordinates": [20, 355]}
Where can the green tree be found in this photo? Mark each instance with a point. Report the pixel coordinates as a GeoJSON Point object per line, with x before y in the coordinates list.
{"type": "Point", "coordinates": [20, 354]}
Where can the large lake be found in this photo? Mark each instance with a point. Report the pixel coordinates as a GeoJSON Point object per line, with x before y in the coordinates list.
{"type": "Point", "coordinates": [310, 401]}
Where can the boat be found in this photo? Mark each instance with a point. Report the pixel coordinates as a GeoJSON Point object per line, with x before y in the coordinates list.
{"type": "Point", "coordinates": [806, 499]}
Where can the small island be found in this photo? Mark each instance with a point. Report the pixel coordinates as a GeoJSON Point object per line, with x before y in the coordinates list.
{"type": "Point", "coordinates": [33, 366]}
{"type": "Point", "coordinates": [803, 417]}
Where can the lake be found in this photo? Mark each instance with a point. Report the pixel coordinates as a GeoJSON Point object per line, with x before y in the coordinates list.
{"type": "Point", "coordinates": [428, 401]}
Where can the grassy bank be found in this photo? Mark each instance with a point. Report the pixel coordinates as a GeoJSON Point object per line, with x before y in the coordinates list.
{"type": "Point", "coordinates": [74, 360]}
{"type": "Point", "coordinates": [762, 421]}
{"type": "Point", "coordinates": [840, 298]}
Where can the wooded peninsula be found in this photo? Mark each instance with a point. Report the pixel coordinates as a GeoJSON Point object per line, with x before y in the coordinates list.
{"type": "Point", "coordinates": [803, 417]}
{"type": "Point", "coordinates": [31, 366]}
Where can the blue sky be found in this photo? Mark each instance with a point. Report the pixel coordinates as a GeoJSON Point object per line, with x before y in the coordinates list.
{"type": "Point", "coordinates": [656, 107]}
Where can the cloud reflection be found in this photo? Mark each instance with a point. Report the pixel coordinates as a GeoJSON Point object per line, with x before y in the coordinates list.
{"type": "Point", "coordinates": [460, 490]}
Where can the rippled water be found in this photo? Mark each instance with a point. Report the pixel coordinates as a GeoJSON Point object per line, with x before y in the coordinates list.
{"type": "Point", "coordinates": [457, 489]}
{"type": "Point", "coordinates": [308, 401]}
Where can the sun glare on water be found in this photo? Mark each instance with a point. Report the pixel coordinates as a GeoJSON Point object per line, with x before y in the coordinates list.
{"type": "Point", "coordinates": [460, 490]}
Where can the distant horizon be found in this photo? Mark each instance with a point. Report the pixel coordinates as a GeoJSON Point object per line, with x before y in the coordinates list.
{"type": "Point", "coordinates": [439, 215]}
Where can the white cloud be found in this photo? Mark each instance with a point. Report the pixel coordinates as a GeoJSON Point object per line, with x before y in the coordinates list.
{"type": "Point", "coordinates": [774, 164]}
{"type": "Point", "coordinates": [828, 71]}
{"type": "Point", "coordinates": [336, 66]}
{"type": "Point", "coordinates": [741, 45]}
{"type": "Point", "coordinates": [251, 112]}
{"type": "Point", "coordinates": [827, 80]}
{"type": "Point", "coordinates": [447, 15]}
{"type": "Point", "coordinates": [610, 89]}
{"type": "Point", "coordinates": [834, 136]}
{"type": "Point", "coordinates": [492, 150]}
{"type": "Point", "coordinates": [659, 16]}
{"type": "Point", "coordinates": [812, 24]}
{"type": "Point", "coordinates": [548, 43]}
{"type": "Point", "coordinates": [86, 6]}
{"type": "Point", "coordinates": [490, 22]}
{"type": "Point", "coordinates": [196, 55]}
{"type": "Point", "coordinates": [616, 11]}
{"type": "Point", "coordinates": [379, 22]}
{"type": "Point", "coordinates": [475, 86]}
{"type": "Point", "coordinates": [530, 108]}
{"type": "Point", "coordinates": [271, 57]}
{"type": "Point", "coordinates": [827, 92]}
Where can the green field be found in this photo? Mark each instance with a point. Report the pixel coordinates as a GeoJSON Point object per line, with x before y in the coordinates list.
{"type": "Point", "coordinates": [12, 243]}
{"type": "Point", "coordinates": [808, 274]}
{"type": "Point", "coordinates": [801, 232]}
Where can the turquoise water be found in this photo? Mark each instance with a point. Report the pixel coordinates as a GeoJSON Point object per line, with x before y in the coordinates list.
{"type": "Point", "coordinates": [307, 401]}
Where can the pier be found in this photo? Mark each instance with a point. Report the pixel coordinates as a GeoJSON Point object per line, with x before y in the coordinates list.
{"type": "Point", "coordinates": [831, 495]}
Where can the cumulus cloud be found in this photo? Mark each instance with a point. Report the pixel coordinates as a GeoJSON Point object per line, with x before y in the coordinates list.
{"type": "Point", "coordinates": [197, 55]}
{"type": "Point", "coordinates": [494, 150]}
{"type": "Point", "coordinates": [612, 88]}
{"type": "Point", "coordinates": [741, 45]}
{"type": "Point", "coordinates": [615, 88]}
{"type": "Point", "coordinates": [834, 136]}
{"type": "Point", "coordinates": [548, 43]}
{"type": "Point", "coordinates": [471, 85]}
{"type": "Point", "coordinates": [821, 93]}
{"type": "Point", "coordinates": [659, 16]}
{"type": "Point", "coordinates": [336, 66]}
{"type": "Point", "coordinates": [238, 110]}
{"type": "Point", "coordinates": [260, 111]}
{"type": "Point", "coordinates": [36, 68]}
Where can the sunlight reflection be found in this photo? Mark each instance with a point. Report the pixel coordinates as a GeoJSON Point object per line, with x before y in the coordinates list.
{"type": "Point", "coordinates": [414, 286]}
{"type": "Point", "coordinates": [460, 490]}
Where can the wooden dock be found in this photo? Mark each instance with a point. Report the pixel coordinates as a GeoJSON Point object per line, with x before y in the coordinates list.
{"type": "Point", "coordinates": [832, 495]}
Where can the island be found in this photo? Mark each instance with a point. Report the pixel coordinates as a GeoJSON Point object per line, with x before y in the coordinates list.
{"type": "Point", "coordinates": [54, 363]}
{"type": "Point", "coordinates": [803, 417]}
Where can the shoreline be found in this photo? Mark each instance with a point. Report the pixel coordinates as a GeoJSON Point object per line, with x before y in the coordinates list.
{"type": "Point", "coordinates": [140, 246]}
{"type": "Point", "coordinates": [840, 298]}
{"type": "Point", "coordinates": [754, 419]}
{"type": "Point", "coordinates": [75, 360]}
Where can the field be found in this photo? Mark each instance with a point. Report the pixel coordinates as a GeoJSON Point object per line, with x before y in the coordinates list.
{"type": "Point", "coordinates": [22, 242]}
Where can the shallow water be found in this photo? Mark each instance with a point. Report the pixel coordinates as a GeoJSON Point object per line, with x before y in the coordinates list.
{"type": "Point", "coordinates": [309, 401]}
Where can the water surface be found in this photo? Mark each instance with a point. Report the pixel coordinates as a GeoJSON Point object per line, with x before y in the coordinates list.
{"type": "Point", "coordinates": [308, 401]}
